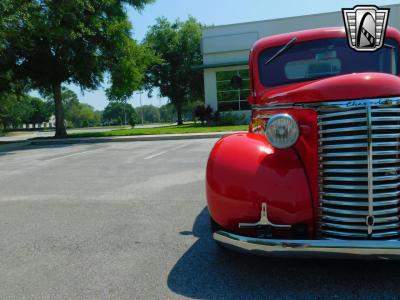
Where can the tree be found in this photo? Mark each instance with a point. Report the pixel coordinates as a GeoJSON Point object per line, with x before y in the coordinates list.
{"type": "Point", "coordinates": [115, 113]}
{"type": "Point", "coordinates": [167, 113]}
{"type": "Point", "coordinates": [7, 118]}
{"type": "Point", "coordinates": [133, 119]}
{"type": "Point", "coordinates": [178, 45]}
{"type": "Point", "coordinates": [189, 108]}
{"type": "Point", "coordinates": [51, 43]}
{"type": "Point", "coordinates": [151, 114]}
{"type": "Point", "coordinates": [16, 110]}
{"type": "Point", "coordinates": [40, 111]}
{"type": "Point", "coordinates": [77, 114]}
{"type": "Point", "coordinates": [86, 115]}
{"type": "Point", "coordinates": [98, 117]}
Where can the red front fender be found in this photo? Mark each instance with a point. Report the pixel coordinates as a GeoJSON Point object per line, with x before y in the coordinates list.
{"type": "Point", "coordinates": [244, 171]}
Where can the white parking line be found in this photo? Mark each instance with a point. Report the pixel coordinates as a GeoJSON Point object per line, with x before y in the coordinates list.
{"type": "Point", "coordinates": [166, 151]}
{"type": "Point", "coordinates": [155, 155]}
{"type": "Point", "coordinates": [70, 155]}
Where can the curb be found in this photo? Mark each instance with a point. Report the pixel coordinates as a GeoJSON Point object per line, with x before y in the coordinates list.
{"type": "Point", "coordinates": [142, 138]}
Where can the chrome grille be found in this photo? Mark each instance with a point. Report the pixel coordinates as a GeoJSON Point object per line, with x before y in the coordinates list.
{"type": "Point", "coordinates": [359, 171]}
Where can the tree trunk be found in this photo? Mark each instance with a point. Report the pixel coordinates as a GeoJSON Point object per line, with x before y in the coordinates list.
{"type": "Point", "coordinates": [179, 112]}
{"type": "Point", "coordinates": [59, 111]}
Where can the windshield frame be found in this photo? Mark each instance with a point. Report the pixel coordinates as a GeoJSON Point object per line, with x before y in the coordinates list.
{"type": "Point", "coordinates": [262, 66]}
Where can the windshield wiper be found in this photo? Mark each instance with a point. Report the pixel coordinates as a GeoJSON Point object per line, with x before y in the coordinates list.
{"type": "Point", "coordinates": [282, 50]}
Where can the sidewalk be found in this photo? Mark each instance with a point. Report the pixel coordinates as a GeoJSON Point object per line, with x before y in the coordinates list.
{"type": "Point", "coordinates": [134, 138]}
{"type": "Point", "coordinates": [6, 146]}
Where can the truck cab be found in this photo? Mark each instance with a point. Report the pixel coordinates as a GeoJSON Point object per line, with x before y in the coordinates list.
{"type": "Point", "coordinates": [319, 170]}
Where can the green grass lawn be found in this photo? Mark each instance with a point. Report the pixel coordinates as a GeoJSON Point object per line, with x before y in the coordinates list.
{"type": "Point", "coordinates": [188, 128]}
{"type": "Point", "coordinates": [101, 127]}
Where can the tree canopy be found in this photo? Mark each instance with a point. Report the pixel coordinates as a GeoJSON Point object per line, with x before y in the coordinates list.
{"type": "Point", "coordinates": [77, 114]}
{"type": "Point", "coordinates": [120, 113]}
{"type": "Point", "coordinates": [178, 45]}
{"type": "Point", "coordinates": [40, 111]}
{"type": "Point", "coordinates": [49, 43]}
{"type": "Point", "coordinates": [151, 114]}
{"type": "Point", "coordinates": [16, 110]}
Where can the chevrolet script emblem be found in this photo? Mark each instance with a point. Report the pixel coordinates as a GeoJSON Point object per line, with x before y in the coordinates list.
{"type": "Point", "coordinates": [366, 27]}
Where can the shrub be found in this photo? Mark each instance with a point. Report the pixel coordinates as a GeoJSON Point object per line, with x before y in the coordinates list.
{"type": "Point", "coordinates": [217, 117]}
{"type": "Point", "coordinates": [203, 113]}
{"type": "Point", "coordinates": [133, 119]}
{"type": "Point", "coordinates": [228, 118]}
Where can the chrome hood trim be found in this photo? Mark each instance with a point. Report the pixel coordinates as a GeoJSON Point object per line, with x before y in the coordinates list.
{"type": "Point", "coordinates": [327, 105]}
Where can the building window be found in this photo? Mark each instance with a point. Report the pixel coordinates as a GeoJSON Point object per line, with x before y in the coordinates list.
{"type": "Point", "coordinates": [229, 98]}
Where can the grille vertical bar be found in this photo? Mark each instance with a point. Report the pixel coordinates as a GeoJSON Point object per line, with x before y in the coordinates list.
{"type": "Point", "coordinates": [369, 219]}
{"type": "Point", "coordinates": [359, 172]}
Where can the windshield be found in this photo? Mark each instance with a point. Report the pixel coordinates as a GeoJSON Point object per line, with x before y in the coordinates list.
{"type": "Point", "coordinates": [324, 58]}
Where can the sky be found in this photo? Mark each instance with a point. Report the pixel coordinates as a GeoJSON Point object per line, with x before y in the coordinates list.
{"type": "Point", "coordinates": [217, 12]}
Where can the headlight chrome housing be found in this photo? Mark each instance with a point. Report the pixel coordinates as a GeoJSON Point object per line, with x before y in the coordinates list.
{"type": "Point", "coordinates": [282, 131]}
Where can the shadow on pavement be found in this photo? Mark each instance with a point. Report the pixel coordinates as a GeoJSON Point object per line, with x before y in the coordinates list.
{"type": "Point", "coordinates": [10, 148]}
{"type": "Point", "coordinates": [207, 272]}
{"type": "Point", "coordinates": [18, 147]}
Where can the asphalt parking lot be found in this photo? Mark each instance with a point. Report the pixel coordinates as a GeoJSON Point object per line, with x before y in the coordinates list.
{"type": "Point", "coordinates": [129, 221]}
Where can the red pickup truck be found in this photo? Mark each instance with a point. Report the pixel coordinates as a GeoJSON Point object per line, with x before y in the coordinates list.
{"type": "Point", "coordinates": [319, 170]}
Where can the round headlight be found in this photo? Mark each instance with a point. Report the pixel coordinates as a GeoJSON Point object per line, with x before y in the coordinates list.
{"type": "Point", "coordinates": [282, 131]}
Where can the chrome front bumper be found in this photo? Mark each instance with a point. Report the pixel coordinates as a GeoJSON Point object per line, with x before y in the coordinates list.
{"type": "Point", "coordinates": [310, 248]}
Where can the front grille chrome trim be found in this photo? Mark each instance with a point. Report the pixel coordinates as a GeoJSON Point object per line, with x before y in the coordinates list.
{"type": "Point", "coordinates": [362, 187]}
{"type": "Point", "coordinates": [344, 138]}
{"type": "Point", "coordinates": [345, 234]}
{"type": "Point", "coordinates": [359, 227]}
{"type": "Point", "coordinates": [353, 170]}
{"type": "Point", "coordinates": [362, 196]}
{"type": "Point", "coordinates": [359, 167]}
{"type": "Point", "coordinates": [374, 153]}
{"type": "Point", "coordinates": [361, 162]}
{"type": "Point", "coordinates": [359, 153]}
{"type": "Point", "coordinates": [345, 129]}
{"type": "Point", "coordinates": [386, 136]}
{"type": "Point", "coordinates": [370, 174]}
{"type": "Point", "coordinates": [387, 127]}
{"type": "Point", "coordinates": [387, 110]}
{"type": "Point", "coordinates": [360, 212]}
{"type": "Point", "coordinates": [335, 107]}
{"type": "Point", "coordinates": [341, 146]}
{"type": "Point", "coordinates": [342, 121]}
{"type": "Point", "coordinates": [391, 118]}
{"type": "Point", "coordinates": [342, 154]}
{"type": "Point", "coordinates": [360, 203]}
{"type": "Point", "coordinates": [361, 179]}
{"type": "Point", "coordinates": [360, 220]}
{"type": "Point", "coordinates": [342, 113]}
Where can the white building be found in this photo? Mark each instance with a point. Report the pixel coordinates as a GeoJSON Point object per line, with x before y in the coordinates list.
{"type": "Point", "coordinates": [226, 49]}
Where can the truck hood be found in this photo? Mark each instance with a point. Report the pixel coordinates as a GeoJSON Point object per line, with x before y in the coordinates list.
{"type": "Point", "coordinates": [343, 87]}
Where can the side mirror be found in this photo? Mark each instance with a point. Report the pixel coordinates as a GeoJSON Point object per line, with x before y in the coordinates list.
{"type": "Point", "coordinates": [236, 82]}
